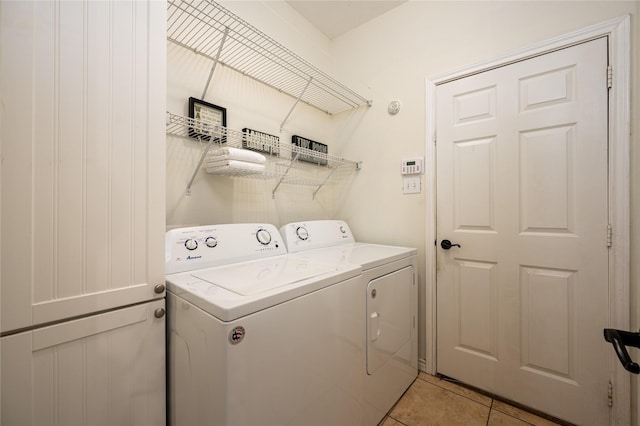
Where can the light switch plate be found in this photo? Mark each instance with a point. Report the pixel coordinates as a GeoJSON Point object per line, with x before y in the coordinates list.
{"type": "Point", "coordinates": [411, 184]}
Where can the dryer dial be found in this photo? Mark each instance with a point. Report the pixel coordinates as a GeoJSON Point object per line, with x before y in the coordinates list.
{"type": "Point", "coordinates": [302, 233]}
{"type": "Point", "coordinates": [263, 236]}
{"type": "Point", "coordinates": [211, 242]}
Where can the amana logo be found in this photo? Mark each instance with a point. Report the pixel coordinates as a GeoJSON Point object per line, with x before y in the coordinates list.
{"type": "Point", "coordinates": [236, 335]}
{"type": "Point", "coordinates": [193, 257]}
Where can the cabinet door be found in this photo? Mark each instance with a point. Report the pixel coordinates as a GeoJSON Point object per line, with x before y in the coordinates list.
{"type": "Point", "coordinates": [106, 369]}
{"type": "Point", "coordinates": [82, 86]}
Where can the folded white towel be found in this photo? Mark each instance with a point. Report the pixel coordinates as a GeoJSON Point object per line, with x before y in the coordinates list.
{"type": "Point", "coordinates": [222, 161]}
{"type": "Point", "coordinates": [230, 153]}
{"type": "Point", "coordinates": [231, 165]}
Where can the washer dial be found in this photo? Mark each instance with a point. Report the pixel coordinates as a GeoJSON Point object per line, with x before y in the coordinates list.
{"type": "Point", "coordinates": [211, 242]}
{"type": "Point", "coordinates": [191, 244]}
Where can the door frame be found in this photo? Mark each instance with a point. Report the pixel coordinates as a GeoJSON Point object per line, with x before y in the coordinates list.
{"type": "Point", "coordinates": [619, 37]}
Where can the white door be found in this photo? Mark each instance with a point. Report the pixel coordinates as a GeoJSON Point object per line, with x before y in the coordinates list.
{"type": "Point", "coordinates": [522, 188]}
{"type": "Point", "coordinates": [106, 369]}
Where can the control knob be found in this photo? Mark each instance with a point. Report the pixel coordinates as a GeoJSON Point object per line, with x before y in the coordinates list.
{"type": "Point", "coordinates": [211, 242]}
{"type": "Point", "coordinates": [302, 233]}
{"type": "Point", "coordinates": [191, 244]}
{"type": "Point", "coordinates": [263, 236]}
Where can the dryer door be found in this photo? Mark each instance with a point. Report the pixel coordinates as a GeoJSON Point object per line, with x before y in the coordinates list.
{"type": "Point", "coordinates": [389, 317]}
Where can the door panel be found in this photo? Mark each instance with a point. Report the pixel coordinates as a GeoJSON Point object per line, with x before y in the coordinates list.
{"type": "Point", "coordinates": [474, 180]}
{"type": "Point", "coordinates": [476, 287]}
{"type": "Point", "coordinates": [82, 157]}
{"type": "Point", "coordinates": [100, 370]}
{"type": "Point", "coordinates": [547, 202]}
{"type": "Point", "coordinates": [522, 187]}
{"type": "Point", "coordinates": [548, 341]}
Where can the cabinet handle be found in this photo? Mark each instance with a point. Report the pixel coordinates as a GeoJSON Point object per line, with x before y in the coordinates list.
{"type": "Point", "coordinates": [159, 313]}
{"type": "Point", "coordinates": [159, 288]}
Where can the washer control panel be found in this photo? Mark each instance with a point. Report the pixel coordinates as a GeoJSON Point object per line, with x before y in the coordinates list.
{"type": "Point", "coordinates": [199, 247]}
{"type": "Point", "coordinates": [299, 236]}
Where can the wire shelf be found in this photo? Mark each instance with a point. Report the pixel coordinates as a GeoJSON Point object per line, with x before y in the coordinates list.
{"type": "Point", "coordinates": [208, 29]}
{"type": "Point", "coordinates": [285, 167]}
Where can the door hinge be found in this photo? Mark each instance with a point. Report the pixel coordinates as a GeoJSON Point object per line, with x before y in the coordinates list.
{"type": "Point", "coordinates": [610, 395]}
{"type": "Point", "coordinates": [609, 77]}
{"type": "Point", "coordinates": [609, 235]}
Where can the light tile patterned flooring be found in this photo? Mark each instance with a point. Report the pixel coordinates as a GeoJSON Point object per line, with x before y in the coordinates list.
{"type": "Point", "coordinates": [431, 401]}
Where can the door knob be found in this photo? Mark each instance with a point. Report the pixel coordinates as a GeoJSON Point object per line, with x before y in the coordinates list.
{"type": "Point", "coordinates": [446, 244]}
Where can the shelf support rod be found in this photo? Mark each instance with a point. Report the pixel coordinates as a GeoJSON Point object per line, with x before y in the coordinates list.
{"type": "Point", "coordinates": [296, 102]}
{"type": "Point", "coordinates": [215, 61]}
{"type": "Point", "coordinates": [323, 182]}
{"type": "Point", "coordinates": [195, 172]}
{"type": "Point", "coordinates": [273, 193]}
{"type": "Point", "coordinates": [358, 165]}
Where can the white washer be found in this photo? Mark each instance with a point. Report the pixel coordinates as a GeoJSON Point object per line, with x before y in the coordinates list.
{"type": "Point", "coordinates": [389, 285]}
{"type": "Point", "coordinates": [258, 337]}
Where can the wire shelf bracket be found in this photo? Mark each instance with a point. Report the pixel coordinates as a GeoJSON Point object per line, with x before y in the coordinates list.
{"type": "Point", "coordinates": [293, 160]}
{"type": "Point", "coordinates": [295, 103]}
{"type": "Point", "coordinates": [215, 61]}
{"type": "Point", "coordinates": [326, 179]}
{"type": "Point", "coordinates": [195, 172]}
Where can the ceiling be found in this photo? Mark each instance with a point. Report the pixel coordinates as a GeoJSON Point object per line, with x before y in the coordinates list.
{"type": "Point", "coordinates": [336, 17]}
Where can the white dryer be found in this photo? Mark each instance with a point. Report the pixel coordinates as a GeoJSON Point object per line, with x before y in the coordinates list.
{"type": "Point", "coordinates": [257, 337]}
{"type": "Point", "coordinates": [389, 287]}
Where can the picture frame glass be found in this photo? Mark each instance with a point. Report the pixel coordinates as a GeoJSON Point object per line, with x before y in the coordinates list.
{"type": "Point", "coordinates": [208, 119]}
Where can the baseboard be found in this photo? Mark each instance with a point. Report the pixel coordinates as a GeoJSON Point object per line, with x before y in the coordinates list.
{"type": "Point", "coordinates": [422, 365]}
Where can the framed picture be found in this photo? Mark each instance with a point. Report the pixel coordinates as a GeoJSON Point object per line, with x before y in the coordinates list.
{"type": "Point", "coordinates": [210, 118]}
{"type": "Point", "coordinates": [321, 150]}
{"type": "Point", "coordinates": [260, 141]}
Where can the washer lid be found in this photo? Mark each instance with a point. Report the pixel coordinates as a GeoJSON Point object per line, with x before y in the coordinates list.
{"type": "Point", "coordinates": [209, 289]}
{"type": "Point", "coordinates": [259, 276]}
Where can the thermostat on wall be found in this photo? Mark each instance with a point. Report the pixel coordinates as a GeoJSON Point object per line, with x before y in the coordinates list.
{"type": "Point", "coordinates": [412, 166]}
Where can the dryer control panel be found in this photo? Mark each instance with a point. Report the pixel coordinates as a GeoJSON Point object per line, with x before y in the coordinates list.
{"type": "Point", "coordinates": [199, 247]}
{"type": "Point", "coordinates": [300, 236]}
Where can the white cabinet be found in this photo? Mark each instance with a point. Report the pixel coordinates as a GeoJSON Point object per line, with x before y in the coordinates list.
{"type": "Point", "coordinates": [82, 212]}
{"type": "Point", "coordinates": [106, 369]}
{"type": "Point", "coordinates": [83, 157]}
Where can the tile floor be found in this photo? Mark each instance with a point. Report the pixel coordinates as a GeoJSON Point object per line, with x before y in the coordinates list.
{"type": "Point", "coordinates": [431, 401]}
